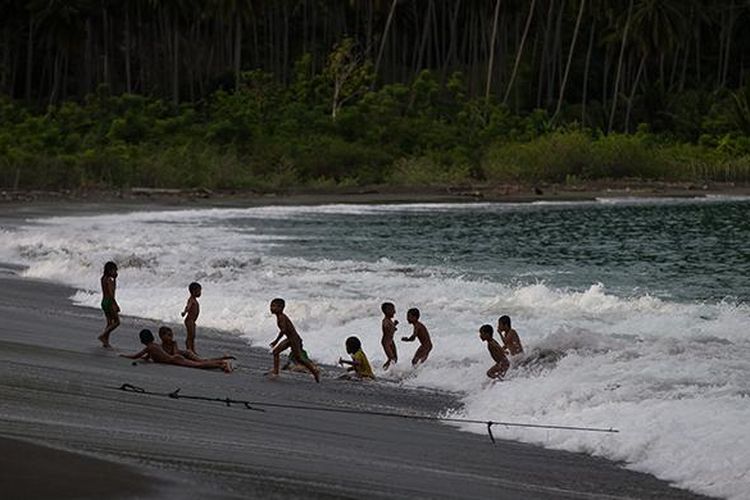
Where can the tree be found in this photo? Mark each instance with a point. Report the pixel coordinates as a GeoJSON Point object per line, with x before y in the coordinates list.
{"type": "Point", "coordinates": [519, 52]}
{"type": "Point", "coordinates": [348, 72]}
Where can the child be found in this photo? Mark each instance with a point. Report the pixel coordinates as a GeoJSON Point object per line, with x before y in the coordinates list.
{"type": "Point", "coordinates": [157, 354]}
{"type": "Point", "coordinates": [510, 339]}
{"type": "Point", "coordinates": [293, 340]}
{"type": "Point", "coordinates": [109, 304]}
{"type": "Point", "coordinates": [168, 345]}
{"type": "Point", "coordinates": [191, 312]}
{"type": "Point", "coordinates": [421, 333]}
{"type": "Point", "coordinates": [496, 351]}
{"type": "Point", "coordinates": [389, 330]}
{"type": "Point", "coordinates": [359, 363]}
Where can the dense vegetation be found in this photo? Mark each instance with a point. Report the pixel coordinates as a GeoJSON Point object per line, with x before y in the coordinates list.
{"type": "Point", "coordinates": [254, 94]}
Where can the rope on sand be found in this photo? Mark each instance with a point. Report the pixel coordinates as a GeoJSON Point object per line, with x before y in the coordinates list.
{"type": "Point", "coordinates": [251, 405]}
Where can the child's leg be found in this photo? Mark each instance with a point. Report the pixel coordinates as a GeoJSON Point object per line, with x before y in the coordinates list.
{"type": "Point", "coordinates": [190, 337]}
{"type": "Point", "coordinates": [421, 355]}
{"type": "Point", "coordinates": [498, 370]}
{"type": "Point", "coordinates": [494, 371]}
{"type": "Point", "coordinates": [190, 355]}
{"type": "Point", "coordinates": [280, 347]}
{"type": "Point", "coordinates": [205, 364]}
{"type": "Point", "coordinates": [113, 321]}
{"type": "Point", "coordinates": [297, 351]}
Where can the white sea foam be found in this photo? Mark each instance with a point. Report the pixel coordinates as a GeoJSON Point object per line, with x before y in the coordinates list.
{"type": "Point", "coordinates": [672, 377]}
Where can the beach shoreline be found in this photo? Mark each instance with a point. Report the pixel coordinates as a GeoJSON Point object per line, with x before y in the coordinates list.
{"type": "Point", "coordinates": [504, 193]}
{"type": "Point", "coordinates": [61, 390]}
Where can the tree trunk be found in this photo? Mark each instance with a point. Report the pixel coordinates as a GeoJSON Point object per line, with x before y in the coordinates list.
{"type": "Point", "coordinates": [5, 68]}
{"type": "Point", "coordinates": [237, 49]}
{"type": "Point", "coordinates": [519, 53]}
{"type": "Point", "coordinates": [29, 57]}
{"type": "Point", "coordinates": [570, 59]}
{"type": "Point", "coordinates": [728, 45]}
{"type": "Point", "coordinates": [556, 58]}
{"type": "Point", "coordinates": [619, 68]}
{"type": "Point", "coordinates": [105, 33]}
{"type": "Point", "coordinates": [493, 42]}
{"type": "Point", "coordinates": [632, 92]}
{"type": "Point", "coordinates": [385, 36]}
{"type": "Point", "coordinates": [423, 44]}
{"type": "Point", "coordinates": [450, 58]}
{"type": "Point", "coordinates": [587, 65]}
{"type": "Point", "coordinates": [55, 78]}
{"type": "Point", "coordinates": [128, 79]}
{"type": "Point", "coordinates": [175, 64]}
{"type": "Point", "coordinates": [545, 52]}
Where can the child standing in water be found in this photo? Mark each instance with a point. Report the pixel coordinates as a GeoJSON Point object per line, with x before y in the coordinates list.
{"type": "Point", "coordinates": [496, 351]}
{"type": "Point", "coordinates": [359, 363]}
{"type": "Point", "coordinates": [421, 333]}
{"type": "Point", "coordinates": [389, 330]}
{"type": "Point", "coordinates": [191, 312]}
{"type": "Point", "coordinates": [109, 304]}
{"type": "Point", "coordinates": [511, 341]}
{"type": "Point", "coordinates": [292, 340]}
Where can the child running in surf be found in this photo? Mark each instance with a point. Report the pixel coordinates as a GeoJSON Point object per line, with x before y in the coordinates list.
{"type": "Point", "coordinates": [421, 333]}
{"type": "Point", "coordinates": [191, 312]}
{"type": "Point", "coordinates": [389, 330]}
{"type": "Point", "coordinates": [511, 341]}
{"type": "Point", "coordinates": [292, 340]}
{"type": "Point", "coordinates": [109, 304]}
{"type": "Point", "coordinates": [496, 371]}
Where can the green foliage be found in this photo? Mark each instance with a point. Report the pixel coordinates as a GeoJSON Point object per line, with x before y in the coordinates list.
{"type": "Point", "coordinates": [267, 136]}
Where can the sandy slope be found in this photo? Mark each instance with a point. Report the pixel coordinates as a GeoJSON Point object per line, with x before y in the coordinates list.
{"type": "Point", "coordinates": [58, 388]}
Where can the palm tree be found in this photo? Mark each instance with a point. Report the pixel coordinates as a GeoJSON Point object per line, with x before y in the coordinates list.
{"type": "Point", "coordinates": [615, 93]}
{"type": "Point", "coordinates": [519, 52]}
{"type": "Point", "coordinates": [581, 6]}
{"type": "Point", "coordinates": [493, 42]}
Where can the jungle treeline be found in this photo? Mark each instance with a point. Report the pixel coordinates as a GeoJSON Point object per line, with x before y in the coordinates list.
{"type": "Point", "coordinates": [267, 94]}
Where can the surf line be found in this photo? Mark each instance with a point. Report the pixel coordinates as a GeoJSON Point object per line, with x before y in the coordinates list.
{"type": "Point", "coordinates": [251, 405]}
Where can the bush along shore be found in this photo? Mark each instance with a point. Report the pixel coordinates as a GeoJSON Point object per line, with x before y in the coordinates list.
{"type": "Point", "coordinates": [303, 94]}
{"type": "Point", "coordinates": [266, 136]}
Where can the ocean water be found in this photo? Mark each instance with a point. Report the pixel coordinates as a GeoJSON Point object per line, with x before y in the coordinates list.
{"type": "Point", "coordinates": [640, 306]}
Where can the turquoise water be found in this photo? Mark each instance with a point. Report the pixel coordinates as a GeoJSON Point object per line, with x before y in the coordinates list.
{"type": "Point", "coordinates": [677, 249]}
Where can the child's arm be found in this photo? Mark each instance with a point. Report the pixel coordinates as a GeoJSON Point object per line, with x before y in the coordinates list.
{"type": "Point", "coordinates": [142, 354]}
{"type": "Point", "coordinates": [276, 340]}
{"type": "Point", "coordinates": [187, 308]}
{"type": "Point", "coordinates": [410, 339]}
{"type": "Point", "coordinates": [352, 364]}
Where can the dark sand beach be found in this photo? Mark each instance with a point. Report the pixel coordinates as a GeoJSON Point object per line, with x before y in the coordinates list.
{"type": "Point", "coordinates": [66, 431]}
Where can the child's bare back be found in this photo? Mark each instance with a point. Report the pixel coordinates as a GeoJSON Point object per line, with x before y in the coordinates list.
{"type": "Point", "coordinates": [420, 332]}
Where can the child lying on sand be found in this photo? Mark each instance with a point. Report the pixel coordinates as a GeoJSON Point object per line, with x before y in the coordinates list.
{"type": "Point", "coordinates": [154, 352]}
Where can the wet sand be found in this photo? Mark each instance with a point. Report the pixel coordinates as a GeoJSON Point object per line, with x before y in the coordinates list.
{"type": "Point", "coordinates": [58, 390]}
